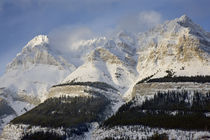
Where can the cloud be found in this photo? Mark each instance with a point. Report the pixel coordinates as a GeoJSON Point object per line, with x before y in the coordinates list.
{"type": "Point", "coordinates": [140, 22]}
{"type": "Point", "coordinates": [150, 18]}
{"type": "Point", "coordinates": [66, 39]}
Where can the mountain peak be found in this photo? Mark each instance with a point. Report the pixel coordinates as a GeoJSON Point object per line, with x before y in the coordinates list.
{"type": "Point", "coordinates": [186, 22]}
{"type": "Point", "coordinates": [37, 51]}
{"type": "Point", "coordinates": [39, 40]}
{"type": "Point", "coordinates": [184, 18]}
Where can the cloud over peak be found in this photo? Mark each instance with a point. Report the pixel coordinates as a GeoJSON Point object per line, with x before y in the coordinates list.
{"type": "Point", "coordinates": [66, 38]}
{"type": "Point", "coordinates": [140, 22]}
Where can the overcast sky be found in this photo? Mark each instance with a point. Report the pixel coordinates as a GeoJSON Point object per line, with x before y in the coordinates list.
{"type": "Point", "coordinates": [21, 20]}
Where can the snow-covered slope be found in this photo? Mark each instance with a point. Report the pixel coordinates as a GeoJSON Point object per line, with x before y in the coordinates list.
{"type": "Point", "coordinates": [11, 106]}
{"type": "Point", "coordinates": [113, 63]}
{"type": "Point", "coordinates": [79, 50]}
{"type": "Point", "coordinates": [32, 72]}
{"type": "Point", "coordinates": [35, 69]}
{"type": "Point", "coordinates": [179, 44]}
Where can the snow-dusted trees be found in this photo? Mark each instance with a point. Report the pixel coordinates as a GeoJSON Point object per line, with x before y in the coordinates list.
{"type": "Point", "coordinates": [172, 109]}
{"type": "Point", "coordinates": [67, 112]}
{"type": "Point", "coordinates": [197, 79]}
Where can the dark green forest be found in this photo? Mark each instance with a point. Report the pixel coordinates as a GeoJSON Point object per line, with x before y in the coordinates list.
{"type": "Point", "coordinates": [170, 78]}
{"type": "Point", "coordinates": [74, 114]}
{"type": "Point", "coordinates": [43, 136]}
{"type": "Point", "coordinates": [156, 112]}
{"type": "Point", "coordinates": [67, 112]}
{"type": "Point", "coordinates": [156, 136]}
{"type": "Point", "coordinates": [99, 85]}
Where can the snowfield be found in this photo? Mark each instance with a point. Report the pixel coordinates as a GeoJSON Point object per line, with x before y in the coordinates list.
{"type": "Point", "coordinates": [142, 132]}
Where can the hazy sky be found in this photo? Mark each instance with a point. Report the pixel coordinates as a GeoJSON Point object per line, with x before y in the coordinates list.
{"type": "Point", "coordinates": [21, 20]}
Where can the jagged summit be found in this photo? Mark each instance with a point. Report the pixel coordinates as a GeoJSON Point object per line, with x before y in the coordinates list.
{"type": "Point", "coordinates": [172, 45]}
{"type": "Point", "coordinates": [184, 18]}
{"type": "Point", "coordinates": [193, 28]}
{"type": "Point", "coordinates": [179, 45]}
{"type": "Point", "coordinates": [31, 53]}
{"type": "Point", "coordinates": [35, 69]}
{"type": "Point", "coordinates": [181, 25]}
{"type": "Point", "coordinates": [186, 21]}
{"type": "Point", "coordinates": [40, 40]}
{"type": "Point", "coordinates": [37, 51]}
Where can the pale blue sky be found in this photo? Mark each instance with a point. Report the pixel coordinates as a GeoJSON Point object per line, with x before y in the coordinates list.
{"type": "Point", "coordinates": [21, 20]}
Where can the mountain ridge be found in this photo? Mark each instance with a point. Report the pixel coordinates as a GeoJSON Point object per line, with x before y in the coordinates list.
{"type": "Point", "coordinates": [178, 46]}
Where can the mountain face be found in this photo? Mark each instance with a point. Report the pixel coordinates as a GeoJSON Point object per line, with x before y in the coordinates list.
{"type": "Point", "coordinates": [178, 45]}
{"type": "Point", "coordinates": [35, 69]}
{"type": "Point", "coordinates": [174, 56]}
{"type": "Point", "coordinates": [31, 73]}
{"type": "Point", "coordinates": [112, 64]}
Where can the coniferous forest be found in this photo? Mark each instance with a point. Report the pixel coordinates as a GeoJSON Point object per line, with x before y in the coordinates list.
{"type": "Point", "coordinates": [175, 79]}
{"type": "Point", "coordinates": [170, 109]}
{"type": "Point", "coordinates": [67, 112]}
{"type": "Point", "coordinates": [99, 85]}
{"type": "Point", "coordinates": [197, 79]}
{"type": "Point", "coordinates": [43, 136]}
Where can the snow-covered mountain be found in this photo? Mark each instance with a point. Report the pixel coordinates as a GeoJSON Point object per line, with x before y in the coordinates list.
{"type": "Point", "coordinates": [113, 63]}
{"type": "Point", "coordinates": [35, 69]}
{"type": "Point", "coordinates": [179, 46]}
{"type": "Point", "coordinates": [123, 60]}
{"type": "Point", "coordinates": [31, 73]}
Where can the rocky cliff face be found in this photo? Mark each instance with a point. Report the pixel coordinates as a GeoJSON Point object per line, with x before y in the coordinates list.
{"type": "Point", "coordinates": [178, 45]}
{"type": "Point", "coordinates": [175, 44]}
{"type": "Point", "coordinates": [150, 89]}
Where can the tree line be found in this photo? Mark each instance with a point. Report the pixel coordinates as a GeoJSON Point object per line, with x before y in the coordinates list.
{"type": "Point", "coordinates": [157, 112]}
